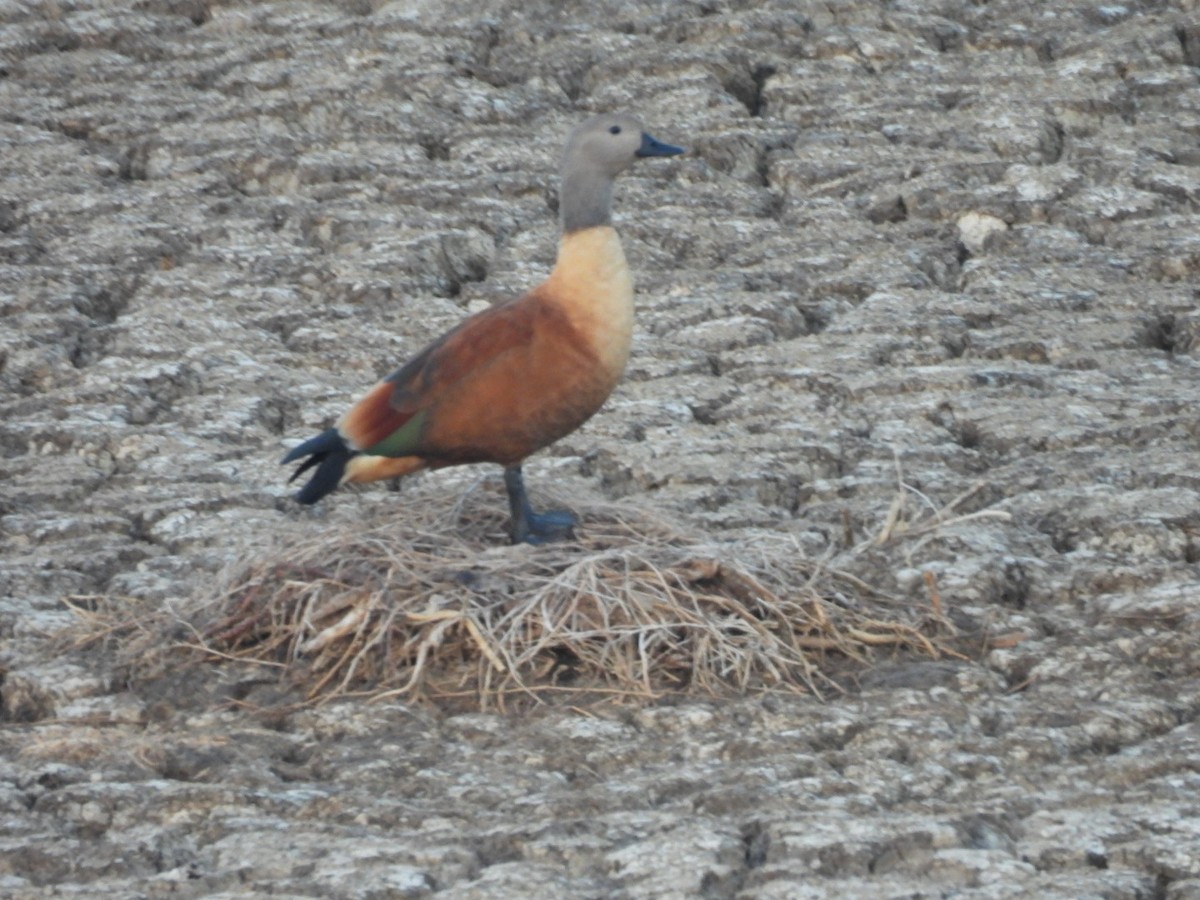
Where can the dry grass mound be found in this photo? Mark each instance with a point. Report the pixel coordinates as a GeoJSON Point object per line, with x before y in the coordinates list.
{"type": "Point", "coordinates": [442, 609]}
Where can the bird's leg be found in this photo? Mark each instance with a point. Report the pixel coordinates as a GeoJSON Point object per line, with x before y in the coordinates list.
{"type": "Point", "coordinates": [530, 527]}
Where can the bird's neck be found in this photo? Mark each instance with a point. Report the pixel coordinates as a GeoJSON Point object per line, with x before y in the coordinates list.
{"type": "Point", "coordinates": [584, 200]}
{"type": "Point", "coordinates": [591, 259]}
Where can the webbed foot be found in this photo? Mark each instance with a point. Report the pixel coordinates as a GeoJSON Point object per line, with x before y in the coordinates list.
{"type": "Point", "coordinates": [529, 527]}
{"type": "Point", "coordinates": [545, 528]}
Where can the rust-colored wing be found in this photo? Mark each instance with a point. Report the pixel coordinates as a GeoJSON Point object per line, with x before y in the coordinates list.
{"type": "Point", "coordinates": [391, 419]}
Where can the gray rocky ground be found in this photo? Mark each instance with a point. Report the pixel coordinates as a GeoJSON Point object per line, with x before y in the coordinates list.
{"type": "Point", "coordinates": [955, 241]}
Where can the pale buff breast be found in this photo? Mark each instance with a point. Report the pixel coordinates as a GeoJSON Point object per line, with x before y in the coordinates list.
{"type": "Point", "coordinates": [592, 285]}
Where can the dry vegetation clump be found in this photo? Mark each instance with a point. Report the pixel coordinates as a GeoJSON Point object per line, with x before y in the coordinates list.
{"type": "Point", "coordinates": [443, 610]}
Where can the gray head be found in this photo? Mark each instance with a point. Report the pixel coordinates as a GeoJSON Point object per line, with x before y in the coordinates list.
{"type": "Point", "coordinates": [597, 151]}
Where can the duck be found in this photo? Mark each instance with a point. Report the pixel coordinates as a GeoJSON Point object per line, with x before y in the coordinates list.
{"type": "Point", "coordinates": [516, 377]}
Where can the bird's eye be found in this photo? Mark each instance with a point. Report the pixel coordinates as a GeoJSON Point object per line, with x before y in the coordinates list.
{"type": "Point", "coordinates": [616, 129]}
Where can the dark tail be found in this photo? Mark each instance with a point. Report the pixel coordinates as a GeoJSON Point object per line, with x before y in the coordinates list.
{"type": "Point", "coordinates": [329, 453]}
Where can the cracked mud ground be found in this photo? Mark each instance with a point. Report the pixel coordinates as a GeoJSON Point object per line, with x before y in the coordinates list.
{"type": "Point", "coordinates": [949, 243]}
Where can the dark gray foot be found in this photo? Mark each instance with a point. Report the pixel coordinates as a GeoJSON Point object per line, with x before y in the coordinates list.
{"type": "Point", "coordinates": [545, 528]}
{"type": "Point", "coordinates": [534, 528]}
